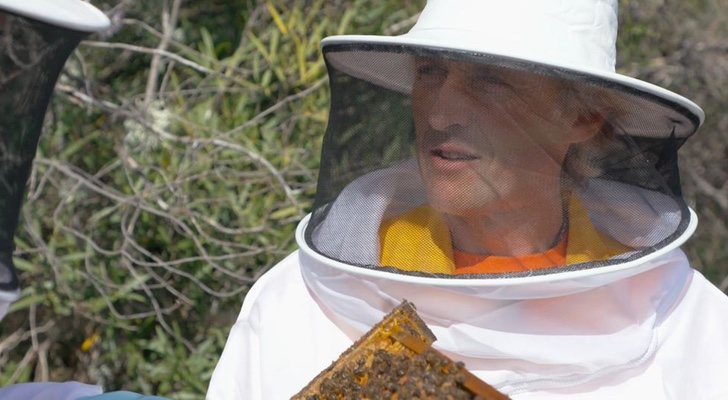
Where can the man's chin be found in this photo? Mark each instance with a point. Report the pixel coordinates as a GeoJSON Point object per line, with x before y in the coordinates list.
{"type": "Point", "coordinates": [465, 204]}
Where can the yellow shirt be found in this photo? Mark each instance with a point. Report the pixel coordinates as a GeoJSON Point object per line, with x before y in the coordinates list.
{"type": "Point", "coordinates": [422, 232]}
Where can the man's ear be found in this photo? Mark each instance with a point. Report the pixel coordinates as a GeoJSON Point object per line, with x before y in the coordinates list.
{"type": "Point", "coordinates": [586, 126]}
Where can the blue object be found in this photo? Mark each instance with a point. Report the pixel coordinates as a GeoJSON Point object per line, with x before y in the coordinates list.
{"type": "Point", "coordinates": [122, 395]}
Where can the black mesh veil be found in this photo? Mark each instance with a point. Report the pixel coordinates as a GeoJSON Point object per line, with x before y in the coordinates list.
{"type": "Point", "coordinates": [455, 164]}
{"type": "Point", "coordinates": [32, 54]}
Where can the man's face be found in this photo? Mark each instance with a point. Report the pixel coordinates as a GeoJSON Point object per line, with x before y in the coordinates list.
{"type": "Point", "coordinates": [489, 139]}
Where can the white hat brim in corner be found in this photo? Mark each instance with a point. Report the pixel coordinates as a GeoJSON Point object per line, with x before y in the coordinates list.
{"type": "Point", "coordinates": [70, 14]}
{"type": "Point", "coordinates": [643, 109]}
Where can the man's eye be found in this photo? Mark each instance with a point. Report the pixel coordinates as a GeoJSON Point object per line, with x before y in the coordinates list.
{"type": "Point", "coordinates": [490, 83]}
{"type": "Point", "coordinates": [489, 80]}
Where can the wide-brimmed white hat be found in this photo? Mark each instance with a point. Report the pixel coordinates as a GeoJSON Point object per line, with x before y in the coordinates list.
{"type": "Point", "coordinates": [69, 14]}
{"type": "Point", "coordinates": [573, 38]}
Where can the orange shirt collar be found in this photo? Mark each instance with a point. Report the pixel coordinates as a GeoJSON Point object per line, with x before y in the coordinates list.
{"type": "Point", "coordinates": [468, 263]}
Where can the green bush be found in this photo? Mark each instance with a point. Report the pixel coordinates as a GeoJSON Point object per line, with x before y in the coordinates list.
{"type": "Point", "coordinates": [179, 152]}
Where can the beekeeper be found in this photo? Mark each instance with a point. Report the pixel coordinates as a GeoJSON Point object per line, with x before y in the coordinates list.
{"type": "Point", "coordinates": [491, 167]}
{"type": "Point", "coordinates": [36, 38]}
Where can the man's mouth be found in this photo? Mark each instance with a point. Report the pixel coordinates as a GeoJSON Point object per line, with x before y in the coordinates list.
{"type": "Point", "coordinates": [451, 154]}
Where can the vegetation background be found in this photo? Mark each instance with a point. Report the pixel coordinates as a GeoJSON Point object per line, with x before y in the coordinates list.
{"type": "Point", "coordinates": [181, 148]}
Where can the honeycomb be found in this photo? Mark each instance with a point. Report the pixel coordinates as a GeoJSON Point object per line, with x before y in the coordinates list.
{"type": "Point", "coordinates": [395, 360]}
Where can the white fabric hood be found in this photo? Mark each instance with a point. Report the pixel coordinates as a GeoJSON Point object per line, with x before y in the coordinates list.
{"type": "Point", "coordinates": [563, 339]}
{"type": "Point", "coordinates": [549, 331]}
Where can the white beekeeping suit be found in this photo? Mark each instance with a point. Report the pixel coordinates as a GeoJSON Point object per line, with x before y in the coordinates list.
{"type": "Point", "coordinates": [491, 167]}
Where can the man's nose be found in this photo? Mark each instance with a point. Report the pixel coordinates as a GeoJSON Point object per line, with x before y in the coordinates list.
{"type": "Point", "coordinates": [451, 108]}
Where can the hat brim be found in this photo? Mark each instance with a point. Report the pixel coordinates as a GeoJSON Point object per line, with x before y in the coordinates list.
{"type": "Point", "coordinates": [640, 108]}
{"type": "Point", "coordinates": [69, 14]}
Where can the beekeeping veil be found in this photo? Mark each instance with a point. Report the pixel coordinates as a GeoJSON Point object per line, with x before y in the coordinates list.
{"type": "Point", "coordinates": [495, 144]}
{"type": "Point", "coordinates": [36, 38]}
